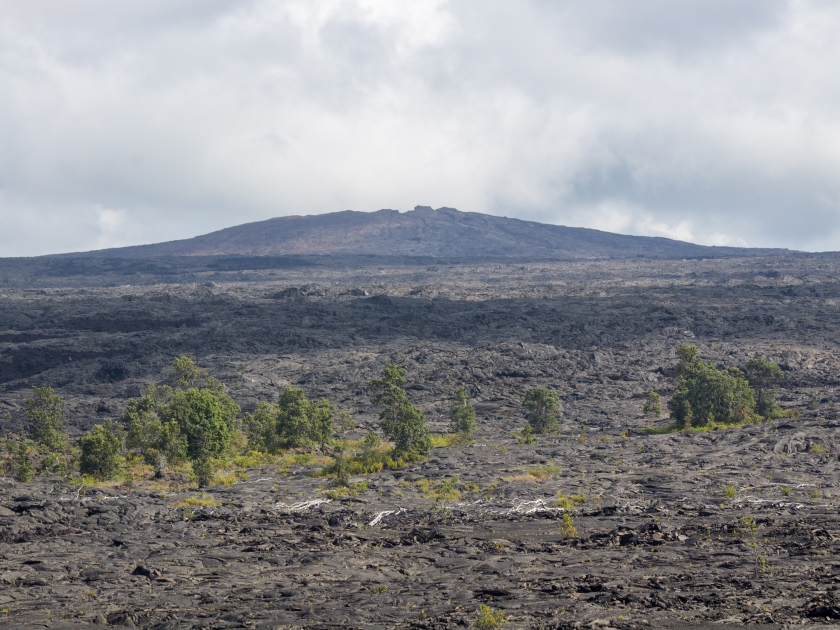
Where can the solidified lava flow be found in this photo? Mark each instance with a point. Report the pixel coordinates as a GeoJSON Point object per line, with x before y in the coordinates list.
{"type": "Point", "coordinates": [602, 525]}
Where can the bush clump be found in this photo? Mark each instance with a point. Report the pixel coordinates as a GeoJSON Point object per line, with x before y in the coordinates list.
{"type": "Point", "coordinates": [195, 420]}
{"type": "Point", "coordinates": [22, 469]}
{"type": "Point", "coordinates": [293, 421]}
{"type": "Point", "coordinates": [653, 404]}
{"type": "Point", "coordinates": [462, 414]}
{"type": "Point", "coordinates": [45, 411]}
{"type": "Point", "coordinates": [706, 396]}
{"type": "Point", "coordinates": [402, 422]}
{"type": "Point", "coordinates": [543, 407]}
{"type": "Point", "coordinates": [764, 377]}
{"type": "Point", "coordinates": [100, 453]}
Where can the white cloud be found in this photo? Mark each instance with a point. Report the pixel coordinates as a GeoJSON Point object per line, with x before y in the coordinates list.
{"type": "Point", "coordinates": [704, 120]}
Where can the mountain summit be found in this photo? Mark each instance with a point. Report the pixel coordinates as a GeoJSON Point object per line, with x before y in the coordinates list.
{"type": "Point", "coordinates": [424, 231]}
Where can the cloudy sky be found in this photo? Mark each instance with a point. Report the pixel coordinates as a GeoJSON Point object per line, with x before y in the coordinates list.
{"type": "Point", "coordinates": [713, 121]}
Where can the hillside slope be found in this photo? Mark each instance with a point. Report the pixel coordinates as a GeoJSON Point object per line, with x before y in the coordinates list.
{"type": "Point", "coordinates": [424, 232]}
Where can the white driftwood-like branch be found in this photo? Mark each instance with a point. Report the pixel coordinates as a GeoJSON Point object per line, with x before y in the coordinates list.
{"type": "Point", "coordinates": [385, 513]}
{"type": "Point", "coordinates": [299, 507]}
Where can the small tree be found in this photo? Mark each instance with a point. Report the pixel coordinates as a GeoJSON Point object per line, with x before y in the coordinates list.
{"type": "Point", "coordinates": [401, 421]}
{"type": "Point", "coordinates": [187, 373]}
{"type": "Point", "coordinates": [764, 376]}
{"type": "Point", "coordinates": [161, 444]}
{"type": "Point", "coordinates": [22, 469]}
{"type": "Point", "coordinates": [195, 420]}
{"type": "Point", "coordinates": [45, 410]}
{"type": "Point", "coordinates": [462, 413]}
{"type": "Point", "coordinates": [261, 428]}
{"type": "Point", "coordinates": [341, 469]}
{"type": "Point", "coordinates": [292, 421]}
{"type": "Point", "coordinates": [653, 404]}
{"type": "Point", "coordinates": [206, 418]}
{"type": "Point", "coordinates": [706, 395]}
{"type": "Point", "coordinates": [686, 353]}
{"type": "Point", "coordinates": [101, 452]}
{"type": "Point", "coordinates": [543, 407]}
{"type": "Point", "coordinates": [303, 422]}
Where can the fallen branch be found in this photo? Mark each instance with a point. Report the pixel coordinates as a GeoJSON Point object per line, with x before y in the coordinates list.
{"type": "Point", "coordinates": [380, 515]}
{"type": "Point", "coordinates": [299, 507]}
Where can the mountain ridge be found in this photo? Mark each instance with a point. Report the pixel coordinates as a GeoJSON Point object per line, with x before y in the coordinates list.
{"type": "Point", "coordinates": [424, 231]}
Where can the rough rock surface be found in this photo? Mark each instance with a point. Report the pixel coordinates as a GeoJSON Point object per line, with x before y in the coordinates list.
{"type": "Point", "coordinates": [661, 537]}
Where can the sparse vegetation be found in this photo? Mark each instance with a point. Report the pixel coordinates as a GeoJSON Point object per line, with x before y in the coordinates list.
{"type": "Point", "coordinates": [45, 411]}
{"type": "Point", "coordinates": [101, 452]}
{"type": "Point", "coordinates": [526, 435]}
{"type": "Point", "coordinates": [293, 421]}
{"type": "Point", "coordinates": [402, 422]}
{"type": "Point", "coordinates": [567, 526]}
{"type": "Point", "coordinates": [22, 469]}
{"type": "Point", "coordinates": [462, 414]}
{"type": "Point", "coordinates": [764, 377]}
{"type": "Point", "coordinates": [490, 618]}
{"type": "Point", "coordinates": [569, 502]}
{"type": "Point", "coordinates": [170, 423]}
{"type": "Point", "coordinates": [653, 404]}
{"type": "Point", "coordinates": [543, 407]}
{"type": "Point", "coordinates": [707, 396]}
{"type": "Point", "coordinates": [544, 472]}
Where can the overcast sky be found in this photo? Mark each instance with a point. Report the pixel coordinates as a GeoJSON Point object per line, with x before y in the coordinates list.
{"type": "Point", "coordinates": [714, 121]}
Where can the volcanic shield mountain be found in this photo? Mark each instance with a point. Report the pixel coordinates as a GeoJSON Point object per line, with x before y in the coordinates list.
{"type": "Point", "coordinates": [444, 232]}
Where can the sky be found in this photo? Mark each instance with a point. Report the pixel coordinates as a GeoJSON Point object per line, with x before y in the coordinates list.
{"type": "Point", "coordinates": [139, 121]}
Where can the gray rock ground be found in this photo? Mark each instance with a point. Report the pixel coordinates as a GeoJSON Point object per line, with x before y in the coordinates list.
{"type": "Point", "coordinates": [658, 542]}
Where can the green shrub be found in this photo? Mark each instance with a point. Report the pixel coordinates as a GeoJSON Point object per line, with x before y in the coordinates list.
{"type": "Point", "coordinates": [160, 444]}
{"type": "Point", "coordinates": [206, 418]}
{"type": "Point", "coordinates": [45, 410]}
{"type": "Point", "coordinates": [567, 526]}
{"type": "Point", "coordinates": [340, 468]}
{"type": "Point", "coordinates": [706, 396]}
{"type": "Point", "coordinates": [292, 421]}
{"type": "Point", "coordinates": [170, 424]}
{"type": "Point", "coordinates": [22, 469]}
{"type": "Point", "coordinates": [526, 435]}
{"type": "Point", "coordinates": [653, 404]}
{"type": "Point", "coordinates": [462, 413]}
{"type": "Point", "coordinates": [101, 452]}
{"type": "Point", "coordinates": [490, 618]}
{"type": "Point", "coordinates": [402, 422]}
{"type": "Point", "coordinates": [543, 407]}
{"type": "Point", "coordinates": [764, 377]}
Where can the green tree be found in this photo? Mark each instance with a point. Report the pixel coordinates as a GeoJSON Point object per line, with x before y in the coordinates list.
{"type": "Point", "coordinates": [686, 353]}
{"type": "Point", "coordinates": [764, 376]}
{"type": "Point", "coordinates": [161, 444]}
{"type": "Point", "coordinates": [187, 373]}
{"type": "Point", "coordinates": [462, 413]}
{"type": "Point", "coordinates": [206, 418]}
{"type": "Point", "coordinates": [22, 469]}
{"type": "Point", "coordinates": [707, 395]}
{"type": "Point", "coordinates": [303, 422]}
{"type": "Point", "coordinates": [261, 428]}
{"type": "Point", "coordinates": [195, 420]}
{"type": "Point", "coordinates": [292, 421]}
{"type": "Point", "coordinates": [543, 407]}
{"type": "Point", "coordinates": [341, 468]}
{"type": "Point", "coordinates": [401, 421]}
{"type": "Point", "coordinates": [653, 404]}
{"type": "Point", "coordinates": [101, 452]}
{"type": "Point", "coordinates": [45, 410]}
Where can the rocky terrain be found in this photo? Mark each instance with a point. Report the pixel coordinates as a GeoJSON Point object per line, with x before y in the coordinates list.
{"type": "Point", "coordinates": [717, 529]}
